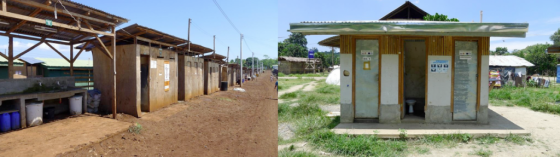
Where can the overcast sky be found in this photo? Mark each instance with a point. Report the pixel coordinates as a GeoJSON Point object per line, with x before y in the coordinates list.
{"type": "Point", "coordinates": [257, 20]}
{"type": "Point", "coordinates": [542, 16]}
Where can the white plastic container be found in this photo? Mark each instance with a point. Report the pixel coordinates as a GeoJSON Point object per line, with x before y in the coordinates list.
{"type": "Point", "coordinates": [76, 105]}
{"type": "Point", "coordinates": [34, 113]}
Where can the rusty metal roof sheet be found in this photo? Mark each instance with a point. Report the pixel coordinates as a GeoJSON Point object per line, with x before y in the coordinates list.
{"type": "Point", "coordinates": [509, 61]}
{"type": "Point", "coordinates": [298, 59]}
{"type": "Point", "coordinates": [21, 7]}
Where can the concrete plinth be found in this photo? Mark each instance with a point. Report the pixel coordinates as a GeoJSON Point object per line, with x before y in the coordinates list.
{"type": "Point", "coordinates": [390, 114]}
{"type": "Point", "coordinates": [482, 115]}
{"type": "Point", "coordinates": [439, 115]}
{"type": "Point", "coordinates": [346, 113]}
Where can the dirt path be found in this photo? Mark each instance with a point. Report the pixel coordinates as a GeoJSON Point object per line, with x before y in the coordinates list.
{"type": "Point", "coordinates": [294, 88]}
{"type": "Point", "coordinates": [544, 128]}
{"type": "Point", "coordinates": [227, 123]}
{"type": "Point", "coordinates": [316, 78]}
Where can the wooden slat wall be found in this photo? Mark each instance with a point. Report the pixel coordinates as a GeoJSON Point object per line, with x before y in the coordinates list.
{"type": "Point", "coordinates": [484, 45]}
{"type": "Point", "coordinates": [389, 44]}
{"type": "Point", "coordinates": [436, 45]}
{"type": "Point", "coordinates": [447, 45]}
{"type": "Point", "coordinates": [346, 44]}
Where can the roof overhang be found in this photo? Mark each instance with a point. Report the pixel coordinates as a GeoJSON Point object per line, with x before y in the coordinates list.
{"type": "Point", "coordinates": [432, 28]}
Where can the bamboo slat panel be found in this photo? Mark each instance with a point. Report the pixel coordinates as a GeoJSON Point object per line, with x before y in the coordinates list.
{"type": "Point", "coordinates": [346, 44]}
{"type": "Point", "coordinates": [447, 45]}
{"type": "Point", "coordinates": [485, 45]}
{"type": "Point", "coordinates": [436, 45]}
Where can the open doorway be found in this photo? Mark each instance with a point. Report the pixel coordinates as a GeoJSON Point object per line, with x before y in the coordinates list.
{"type": "Point", "coordinates": [145, 89]}
{"type": "Point", "coordinates": [414, 80]}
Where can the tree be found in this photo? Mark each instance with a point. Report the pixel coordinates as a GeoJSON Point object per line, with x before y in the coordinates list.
{"type": "Point", "coordinates": [295, 46]}
{"type": "Point", "coordinates": [545, 64]}
{"type": "Point", "coordinates": [500, 51]}
{"type": "Point", "coordinates": [297, 38]}
{"type": "Point", "coordinates": [439, 17]}
{"type": "Point", "coordinates": [555, 37]}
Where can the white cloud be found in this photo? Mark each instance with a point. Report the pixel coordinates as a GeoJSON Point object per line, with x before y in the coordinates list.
{"type": "Point", "coordinates": [416, 1]}
{"type": "Point", "coordinates": [540, 33]}
{"type": "Point", "coordinates": [554, 20]}
{"type": "Point", "coordinates": [514, 44]}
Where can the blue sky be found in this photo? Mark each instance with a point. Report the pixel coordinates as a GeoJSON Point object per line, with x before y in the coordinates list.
{"type": "Point", "coordinates": [543, 16]}
{"type": "Point", "coordinates": [257, 20]}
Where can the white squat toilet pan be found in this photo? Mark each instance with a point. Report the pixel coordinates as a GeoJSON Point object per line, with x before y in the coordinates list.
{"type": "Point", "coordinates": [410, 104]}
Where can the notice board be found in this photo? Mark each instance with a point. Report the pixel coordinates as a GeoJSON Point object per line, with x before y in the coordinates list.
{"type": "Point", "coordinates": [166, 71]}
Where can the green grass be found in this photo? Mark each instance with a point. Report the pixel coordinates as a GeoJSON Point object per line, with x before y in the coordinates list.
{"type": "Point", "coordinates": [537, 99]}
{"type": "Point", "coordinates": [287, 113]}
{"type": "Point", "coordinates": [291, 95]}
{"type": "Point", "coordinates": [290, 153]}
{"type": "Point", "coordinates": [520, 140]}
{"type": "Point", "coordinates": [287, 83]}
{"type": "Point", "coordinates": [482, 152]}
{"type": "Point", "coordinates": [304, 75]}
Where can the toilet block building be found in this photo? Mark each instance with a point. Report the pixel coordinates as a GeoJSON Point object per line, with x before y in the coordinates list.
{"type": "Point", "coordinates": [439, 68]}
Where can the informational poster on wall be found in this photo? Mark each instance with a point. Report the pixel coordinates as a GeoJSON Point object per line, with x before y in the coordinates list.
{"type": "Point", "coordinates": [367, 52]}
{"type": "Point", "coordinates": [166, 71]}
{"type": "Point", "coordinates": [465, 54]}
{"type": "Point", "coordinates": [439, 66]}
{"type": "Point", "coordinates": [367, 65]}
{"type": "Point", "coordinates": [153, 65]}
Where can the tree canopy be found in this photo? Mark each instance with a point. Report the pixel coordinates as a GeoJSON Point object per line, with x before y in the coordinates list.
{"type": "Point", "coordinates": [295, 46]}
{"type": "Point", "coordinates": [439, 17]}
{"type": "Point", "coordinates": [500, 51]}
{"type": "Point", "coordinates": [545, 64]}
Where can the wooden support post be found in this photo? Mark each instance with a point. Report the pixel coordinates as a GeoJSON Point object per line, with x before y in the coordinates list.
{"type": "Point", "coordinates": [4, 6]}
{"type": "Point", "coordinates": [114, 41]}
{"type": "Point", "coordinates": [72, 59]}
{"type": "Point", "coordinates": [10, 57]}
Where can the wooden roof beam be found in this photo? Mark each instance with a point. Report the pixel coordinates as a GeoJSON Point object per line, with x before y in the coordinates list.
{"type": "Point", "coordinates": [61, 11]}
{"type": "Point", "coordinates": [81, 50]}
{"type": "Point", "coordinates": [56, 24]}
{"type": "Point", "coordinates": [21, 23]}
{"type": "Point", "coordinates": [155, 42]}
{"type": "Point", "coordinates": [30, 48]}
{"type": "Point", "coordinates": [89, 11]}
{"type": "Point", "coordinates": [55, 50]}
{"type": "Point", "coordinates": [31, 38]}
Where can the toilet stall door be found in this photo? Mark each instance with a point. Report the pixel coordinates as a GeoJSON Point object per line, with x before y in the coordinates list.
{"type": "Point", "coordinates": [465, 80]}
{"type": "Point", "coordinates": [367, 75]}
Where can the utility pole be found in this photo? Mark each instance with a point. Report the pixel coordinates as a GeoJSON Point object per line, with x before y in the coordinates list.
{"type": "Point", "coordinates": [332, 57]}
{"type": "Point", "coordinates": [481, 16]}
{"type": "Point", "coordinates": [214, 53]}
{"type": "Point", "coordinates": [227, 63]}
{"type": "Point", "coordinates": [241, 60]}
{"type": "Point", "coordinates": [253, 64]}
{"type": "Point", "coordinates": [189, 36]}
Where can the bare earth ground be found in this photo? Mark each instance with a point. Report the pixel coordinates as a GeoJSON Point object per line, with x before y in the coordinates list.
{"type": "Point", "coordinates": [544, 129]}
{"type": "Point", "coordinates": [221, 124]}
{"type": "Point", "coordinates": [60, 136]}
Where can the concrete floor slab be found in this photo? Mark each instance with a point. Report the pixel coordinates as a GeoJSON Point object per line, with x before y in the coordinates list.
{"type": "Point", "coordinates": [60, 136]}
{"type": "Point", "coordinates": [498, 126]}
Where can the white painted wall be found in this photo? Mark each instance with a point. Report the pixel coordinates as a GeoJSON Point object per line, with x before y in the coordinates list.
{"type": "Point", "coordinates": [439, 84]}
{"type": "Point", "coordinates": [484, 60]}
{"type": "Point", "coordinates": [346, 81]}
{"type": "Point", "coordinates": [523, 70]}
{"type": "Point", "coordinates": [389, 79]}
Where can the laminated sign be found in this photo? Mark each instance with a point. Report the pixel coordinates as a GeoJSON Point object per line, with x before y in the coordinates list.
{"type": "Point", "coordinates": [367, 65]}
{"type": "Point", "coordinates": [153, 65]}
{"type": "Point", "coordinates": [166, 71]}
{"type": "Point", "coordinates": [439, 66]}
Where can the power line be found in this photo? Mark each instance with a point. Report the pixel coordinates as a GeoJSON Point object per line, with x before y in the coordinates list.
{"type": "Point", "coordinates": [223, 13]}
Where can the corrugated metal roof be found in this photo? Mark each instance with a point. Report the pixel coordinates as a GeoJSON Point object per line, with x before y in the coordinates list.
{"type": "Point", "coordinates": [59, 62]}
{"type": "Point", "coordinates": [509, 61]}
{"type": "Point", "coordinates": [30, 60]}
{"type": "Point", "coordinates": [2, 59]}
{"type": "Point", "coordinates": [376, 27]}
{"type": "Point", "coordinates": [21, 7]}
{"type": "Point", "coordinates": [297, 59]}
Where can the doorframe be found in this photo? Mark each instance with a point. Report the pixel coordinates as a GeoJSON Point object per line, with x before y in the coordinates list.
{"type": "Point", "coordinates": [354, 38]}
{"type": "Point", "coordinates": [401, 69]}
{"type": "Point", "coordinates": [478, 56]}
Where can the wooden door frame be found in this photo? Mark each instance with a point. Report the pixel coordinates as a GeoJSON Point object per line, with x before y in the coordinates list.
{"type": "Point", "coordinates": [478, 78]}
{"type": "Point", "coordinates": [401, 70]}
{"type": "Point", "coordinates": [354, 38]}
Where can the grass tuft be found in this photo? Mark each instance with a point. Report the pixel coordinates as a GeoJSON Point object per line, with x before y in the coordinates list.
{"type": "Point", "coordinates": [482, 152]}
{"type": "Point", "coordinates": [537, 99]}
{"type": "Point", "coordinates": [136, 128]}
